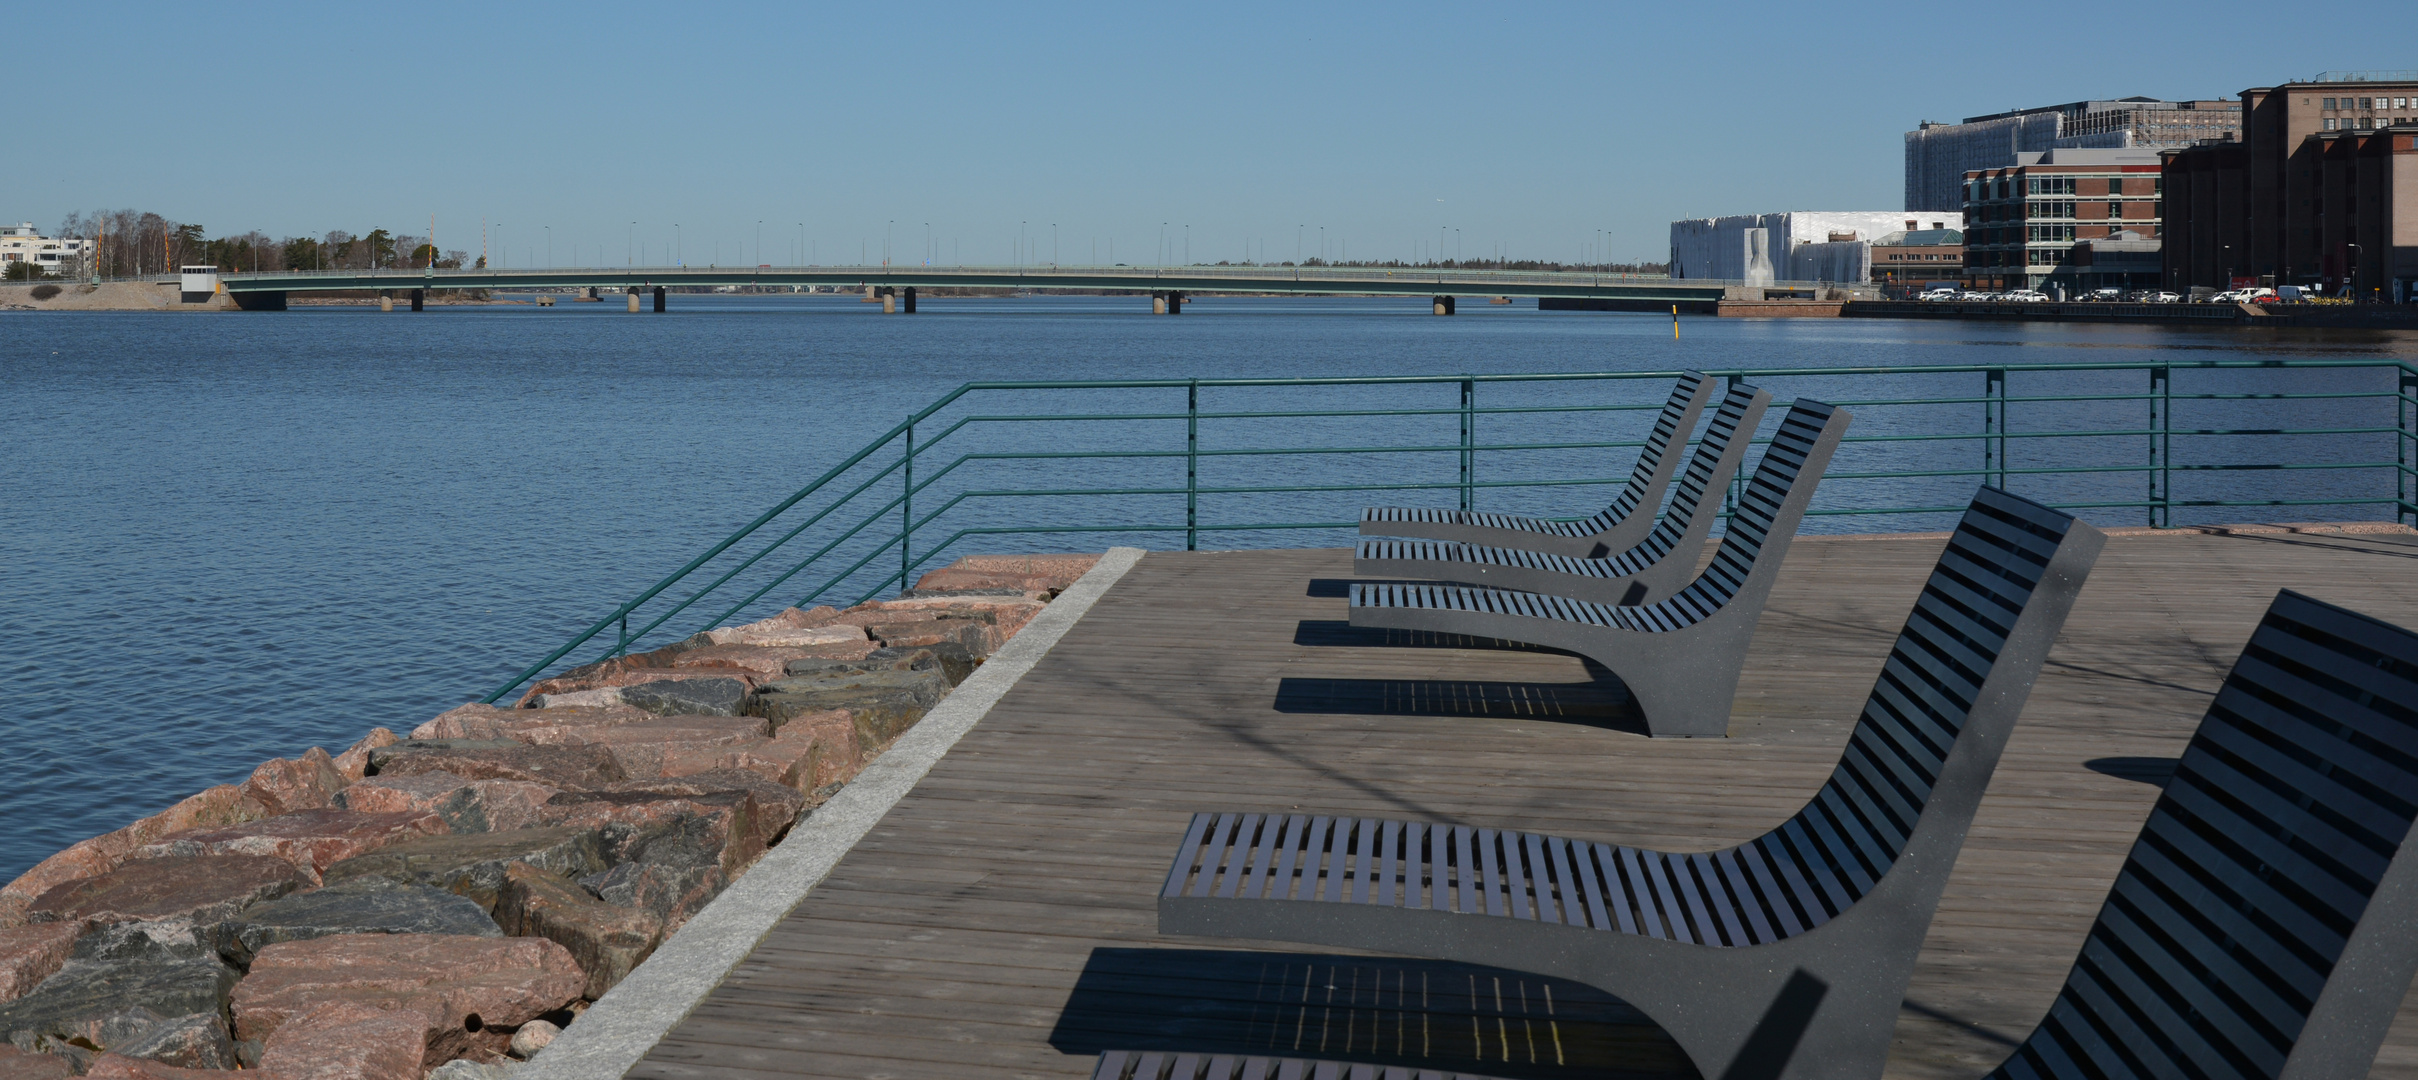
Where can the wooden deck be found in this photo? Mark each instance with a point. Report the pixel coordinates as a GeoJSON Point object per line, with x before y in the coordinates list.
{"type": "Point", "coordinates": [1001, 921]}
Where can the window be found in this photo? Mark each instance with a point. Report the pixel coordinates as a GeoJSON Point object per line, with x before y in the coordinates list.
{"type": "Point", "coordinates": [2367, 103]}
{"type": "Point", "coordinates": [2329, 103]}
{"type": "Point", "coordinates": [2115, 210]}
{"type": "Point", "coordinates": [2330, 122]}
{"type": "Point", "coordinates": [2400, 102]}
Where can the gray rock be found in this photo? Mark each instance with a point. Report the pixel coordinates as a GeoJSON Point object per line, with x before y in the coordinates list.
{"type": "Point", "coordinates": [155, 942]}
{"type": "Point", "coordinates": [882, 703]}
{"type": "Point", "coordinates": [472, 865]}
{"type": "Point", "coordinates": [248, 1051]}
{"type": "Point", "coordinates": [533, 1037]}
{"type": "Point", "coordinates": [199, 1041]}
{"type": "Point", "coordinates": [688, 697]}
{"type": "Point", "coordinates": [952, 660]}
{"type": "Point", "coordinates": [122, 984]}
{"type": "Point", "coordinates": [361, 905]}
{"type": "Point", "coordinates": [466, 1069]}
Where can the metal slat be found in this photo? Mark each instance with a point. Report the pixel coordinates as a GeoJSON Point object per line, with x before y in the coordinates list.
{"type": "Point", "coordinates": [1246, 832]}
{"type": "Point", "coordinates": [1186, 854]}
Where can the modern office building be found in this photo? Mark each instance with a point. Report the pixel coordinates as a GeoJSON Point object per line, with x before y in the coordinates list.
{"type": "Point", "coordinates": [2321, 190]}
{"type": "Point", "coordinates": [2066, 220]}
{"type": "Point", "coordinates": [1938, 156]}
{"type": "Point", "coordinates": [1910, 261]}
{"type": "Point", "coordinates": [1759, 249]}
{"type": "Point", "coordinates": [55, 255]}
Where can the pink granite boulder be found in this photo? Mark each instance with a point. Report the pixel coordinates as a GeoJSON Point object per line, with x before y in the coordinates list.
{"type": "Point", "coordinates": [198, 888]}
{"type": "Point", "coordinates": [468, 806]}
{"type": "Point", "coordinates": [809, 753]}
{"type": "Point", "coordinates": [121, 1067]}
{"type": "Point", "coordinates": [309, 839]}
{"type": "Point", "coordinates": [476, 721]}
{"type": "Point", "coordinates": [29, 954]}
{"type": "Point", "coordinates": [282, 786]}
{"type": "Point", "coordinates": [569, 768]}
{"type": "Point", "coordinates": [18, 1064]}
{"type": "Point", "coordinates": [225, 804]}
{"type": "Point", "coordinates": [353, 1040]}
{"type": "Point", "coordinates": [457, 986]}
{"type": "Point", "coordinates": [641, 746]}
{"type": "Point", "coordinates": [768, 661]}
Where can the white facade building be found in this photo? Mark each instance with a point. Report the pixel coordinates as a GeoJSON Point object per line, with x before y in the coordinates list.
{"type": "Point", "coordinates": [23, 243]}
{"type": "Point", "coordinates": [1759, 249]}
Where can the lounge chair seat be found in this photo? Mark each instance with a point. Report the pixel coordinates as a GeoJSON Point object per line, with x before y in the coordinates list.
{"type": "Point", "coordinates": [1823, 916]}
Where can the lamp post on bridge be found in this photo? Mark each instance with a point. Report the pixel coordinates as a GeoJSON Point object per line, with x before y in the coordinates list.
{"type": "Point", "coordinates": [679, 252]}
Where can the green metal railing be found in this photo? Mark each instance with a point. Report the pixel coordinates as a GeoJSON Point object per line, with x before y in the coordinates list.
{"type": "Point", "coordinates": [2267, 438]}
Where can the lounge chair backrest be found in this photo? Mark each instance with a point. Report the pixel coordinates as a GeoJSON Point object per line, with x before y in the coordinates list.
{"type": "Point", "coordinates": [1740, 410]}
{"type": "Point", "coordinates": [1662, 446]}
{"type": "Point", "coordinates": [1766, 508]}
{"type": "Point", "coordinates": [2263, 926]}
{"type": "Point", "coordinates": [1849, 835]}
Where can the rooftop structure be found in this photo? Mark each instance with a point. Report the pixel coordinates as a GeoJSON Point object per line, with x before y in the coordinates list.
{"type": "Point", "coordinates": [1938, 155]}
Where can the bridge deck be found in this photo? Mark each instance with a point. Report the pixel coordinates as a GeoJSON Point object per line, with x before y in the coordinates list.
{"type": "Point", "coordinates": [1000, 921]}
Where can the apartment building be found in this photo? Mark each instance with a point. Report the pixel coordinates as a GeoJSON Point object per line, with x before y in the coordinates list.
{"type": "Point", "coordinates": [2066, 220]}
{"type": "Point", "coordinates": [2321, 190]}
{"type": "Point", "coordinates": [55, 255]}
{"type": "Point", "coordinates": [1938, 156]}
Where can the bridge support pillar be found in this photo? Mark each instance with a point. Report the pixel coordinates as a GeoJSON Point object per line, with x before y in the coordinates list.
{"type": "Point", "coordinates": [633, 301]}
{"type": "Point", "coordinates": [419, 299]}
{"type": "Point", "coordinates": [1443, 305]}
{"type": "Point", "coordinates": [870, 293]}
{"type": "Point", "coordinates": [1158, 303]}
{"type": "Point", "coordinates": [386, 302]}
{"type": "Point", "coordinates": [907, 296]}
{"type": "Point", "coordinates": [592, 293]}
{"type": "Point", "coordinates": [1175, 303]}
{"type": "Point", "coordinates": [889, 302]}
{"type": "Point", "coordinates": [659, 298]}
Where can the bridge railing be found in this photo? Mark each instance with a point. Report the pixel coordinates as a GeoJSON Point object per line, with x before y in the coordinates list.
{"type": "Point", "coordinates": [1470, 281]}
{"type": "Point", "coordinates": [1026, 466]}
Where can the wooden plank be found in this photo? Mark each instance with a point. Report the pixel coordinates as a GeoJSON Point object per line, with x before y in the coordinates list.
{"type": "Point", "coordinates": [992, 925]}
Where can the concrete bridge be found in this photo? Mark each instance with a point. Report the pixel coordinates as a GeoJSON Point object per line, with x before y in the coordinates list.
{"type": "Point", "coordinates": [1167, 285]}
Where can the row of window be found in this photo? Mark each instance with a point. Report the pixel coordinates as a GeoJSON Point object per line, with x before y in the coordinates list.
{"type": "Point", "coordinates": [1893, 257]}
{"type": "Point", "coordinates": [2064, 208]}
{"type": "Point", "coordinates": [1982, 190]}
{"type": "Point", "coordinates": [2363, 123]}
{"type": "Point", "coordinates": [2368, 103]}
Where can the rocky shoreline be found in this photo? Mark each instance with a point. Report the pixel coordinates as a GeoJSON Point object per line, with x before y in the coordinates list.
{"type": "Point", "coordinates": [441, 904]}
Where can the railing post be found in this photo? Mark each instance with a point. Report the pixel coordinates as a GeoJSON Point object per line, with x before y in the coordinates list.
{"type": "Point", "coordinates": [2405, 488]}
{"type": "Point", "coordinates": [1994, 427]}
{"type": "Point", "coordinates": [2161, 406]}
{"type": "Point", "coordinates": [906, 511]}
{"type": "Point", "coordinates": [1192, 465]}
{"type": "Point", "coordinates": [622, 646]}
{"type": "Point", "coordinates": [1469, 437]}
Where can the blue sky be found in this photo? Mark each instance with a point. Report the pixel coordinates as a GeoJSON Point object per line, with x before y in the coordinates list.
{"type": "Point", "coordinates": [1527, 128]}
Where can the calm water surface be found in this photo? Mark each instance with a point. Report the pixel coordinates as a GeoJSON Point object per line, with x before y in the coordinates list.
{"type": "Point", "coordinates": [230, 537]}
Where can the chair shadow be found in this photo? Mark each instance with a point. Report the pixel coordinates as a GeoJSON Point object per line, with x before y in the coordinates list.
{"type": "Point", "coordinates": [2154, 771]}
{"type": "Point", "coordinates": [1601, 701]}
{"type": "Point", "coordinates": [1418, 1013]}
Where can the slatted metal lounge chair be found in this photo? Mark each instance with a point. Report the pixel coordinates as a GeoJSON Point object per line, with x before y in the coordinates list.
{"type": "Point", "coordinates": [1819, 919]}
{"type": "Point", "coordinates": [1661, 564]}
{"type": "Point", "coordinates": [1145, 1065]}
{"type": "Point", "coordinates": [1679, 657]}
{"type": "Point", "coordinates": [2265, 924]}
{"type": "Point", "coordinates": [1618, 528]}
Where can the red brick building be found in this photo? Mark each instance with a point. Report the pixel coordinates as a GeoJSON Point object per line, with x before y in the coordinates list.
{"type": "Point", "coordinates": [2322, 190]}
{"type": "Point", "coordinates": [2059, 219]}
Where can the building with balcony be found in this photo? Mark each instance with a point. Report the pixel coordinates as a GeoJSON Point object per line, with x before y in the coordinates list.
{"type": "Point", "coordinates": [2320, 191]}
{"type": "Point", "coordinates": [22, 243]}
{"type": "Point", "coordinates": [1938, 156]}
{"type": "Point", "coordinates": [2066, 220]}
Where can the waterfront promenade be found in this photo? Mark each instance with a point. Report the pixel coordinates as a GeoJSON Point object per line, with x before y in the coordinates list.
{"type": "Point", "coordinates": [1000, 921]}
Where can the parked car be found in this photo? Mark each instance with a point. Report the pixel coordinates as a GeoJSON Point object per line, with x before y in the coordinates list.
{"type": "Point", "coordinates": [2162, 298]}
{"type": "Point", "coordinates": [1937, 295]}
{"type": "Point", "coordinates": [2024, 296]}
{"type": "Point", "coordinates": [2104, 296]}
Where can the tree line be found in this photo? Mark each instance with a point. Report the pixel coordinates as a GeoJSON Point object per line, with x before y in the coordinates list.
{"type": "Point", "coordinates": [131, 243]}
